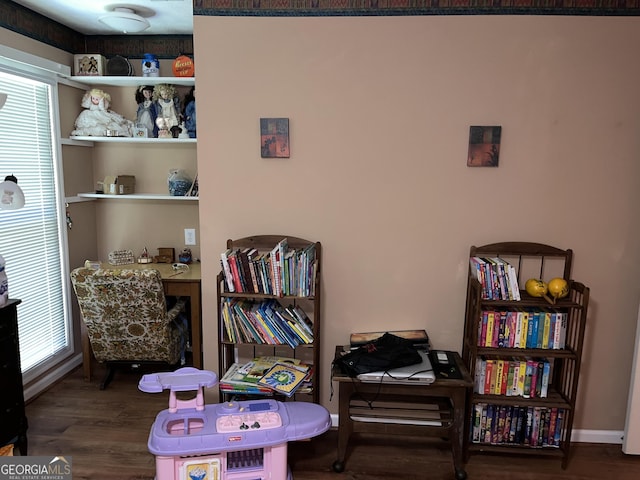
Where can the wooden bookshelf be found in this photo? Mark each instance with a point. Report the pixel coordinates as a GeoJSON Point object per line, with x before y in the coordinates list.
{"type": "Point", "coordinates": [530, 260]}
{"type": "Point", "coordinates": [234, 345]}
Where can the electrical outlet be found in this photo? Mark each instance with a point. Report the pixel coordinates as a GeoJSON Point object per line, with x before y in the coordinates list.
{"type": "Point", "coordinates": [189, 236]}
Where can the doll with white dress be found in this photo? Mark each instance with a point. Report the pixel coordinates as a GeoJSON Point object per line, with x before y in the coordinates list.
{"type": "Point", "coordinates": [167, 106]}
{"type": "Point", "coordinates": [97, 119]}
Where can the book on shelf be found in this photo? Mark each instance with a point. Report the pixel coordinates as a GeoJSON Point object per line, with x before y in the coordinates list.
{"type": "Point", "coordinates": [294, 327]}
{"type": "Point", "coordinates": [251, 254]}
{"type": "Point", "coordinates": [226, 269]}
{"type": "Point", "coordinates": [232, 258]}
{"type": "Point", "coordinates": [233, 381]}
{"type": "Point", "coordinates": [497, 277]}
{"type": "Point", "coordinates": [541, 329]}
{"type": "Point", "coordinates": [245, 272]}
{"type": "Point", "coordinates": [284, 378]}
{"type": "Point", "coordinates": [255, 369]}
{"type": "Point", "coordinates": [280, 271]}
{"type": "Point", "coordinates": [535, 426]}
{"type": "Point", "coordinates": [229, 324]}
{"type": "Point", "coordinates": [245, 377]}
{"type": "Point", "coordinates": [502, 284]}
{"type": "Point", "coordinates": [251, 331]}
{"type": "Point", "coordinates": [265, 322]}
{"type": "Point", "coordinates": [525, 377]}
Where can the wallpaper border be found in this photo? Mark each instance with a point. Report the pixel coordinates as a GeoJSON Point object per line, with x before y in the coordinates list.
{"type": "Point", "coordinates": [305, 8]}
{"type": "Point", "coordinates": [33, 25]}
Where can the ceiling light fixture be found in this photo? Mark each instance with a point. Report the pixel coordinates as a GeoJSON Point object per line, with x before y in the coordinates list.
{"type": "Point", "coordinates": [124, 20]}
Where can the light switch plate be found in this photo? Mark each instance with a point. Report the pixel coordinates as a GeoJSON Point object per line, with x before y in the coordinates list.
{"type": "Point", "coordinates": [189, 236]}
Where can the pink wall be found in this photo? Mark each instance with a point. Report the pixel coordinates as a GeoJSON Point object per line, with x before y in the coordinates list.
{"type": "Point", "coordinates": [379, 111]}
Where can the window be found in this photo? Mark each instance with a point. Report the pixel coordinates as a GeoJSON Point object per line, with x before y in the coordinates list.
{"type": "Point", "coordinates": [33, 239]}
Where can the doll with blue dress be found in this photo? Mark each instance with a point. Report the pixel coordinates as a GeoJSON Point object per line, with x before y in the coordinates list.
{"type": "Point", "coordinates": [146, 114]}
{"type": "Point", "coordinates": [189, 113]}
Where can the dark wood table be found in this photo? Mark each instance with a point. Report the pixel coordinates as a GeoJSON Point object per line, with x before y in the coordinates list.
{"type": "Point", "coordinates": [13, 421]}
{"type": "Point", "coordinates": [436, 409]}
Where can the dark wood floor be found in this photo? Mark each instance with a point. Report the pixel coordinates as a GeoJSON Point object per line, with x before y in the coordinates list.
{"type": "Point", "coordinates": [105, 433]}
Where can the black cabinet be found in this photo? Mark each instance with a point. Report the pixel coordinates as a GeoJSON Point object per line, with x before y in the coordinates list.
{"type": "Point", "coordinates": [12, 417]}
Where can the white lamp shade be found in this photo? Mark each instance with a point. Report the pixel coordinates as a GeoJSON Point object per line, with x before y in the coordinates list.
{"type": "Point", "coordinates": [124, 20]}
{"type": "Point", "coordinates": [11, 196]}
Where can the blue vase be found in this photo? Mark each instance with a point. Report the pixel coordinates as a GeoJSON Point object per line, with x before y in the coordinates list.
{"type": "Point", "coordinates": [150, 66]}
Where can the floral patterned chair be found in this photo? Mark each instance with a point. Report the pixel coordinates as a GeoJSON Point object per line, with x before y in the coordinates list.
{"type": "Point", "coordinates": [126, 317]}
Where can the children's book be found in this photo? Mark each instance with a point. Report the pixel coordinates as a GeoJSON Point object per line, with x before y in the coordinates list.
{"type": "Point", "coordinates": [283, 378]}
{"type": "Point", "coordinates": [256, 368]}
{"type": "Point", "coordinates": [233, 381]}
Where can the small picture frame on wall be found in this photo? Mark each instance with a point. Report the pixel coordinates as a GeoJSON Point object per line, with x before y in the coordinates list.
{"type": "Point", "coordinates": [484, 146]}
{"type": "Point", "coordinates": [274, 138]}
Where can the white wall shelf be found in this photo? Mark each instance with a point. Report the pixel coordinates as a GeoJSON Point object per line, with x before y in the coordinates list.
{"type": "Point", "coordinates": [158, 141]}
{"type": "Point", "coordinates": [76, 143]}
{"type": "Point", "coordinates": [132, 81]}
{"type": "Point", "coordinates": [76, 199]}
{"type": "Point", "coordinates": [138, 196]}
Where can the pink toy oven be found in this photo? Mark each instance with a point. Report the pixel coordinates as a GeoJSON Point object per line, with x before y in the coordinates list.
{"type": "Point", "coordinates": [244, 440]}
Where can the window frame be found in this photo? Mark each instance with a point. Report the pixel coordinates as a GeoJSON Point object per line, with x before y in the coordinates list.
{"type": "Point", "coordinates": [24, 65]}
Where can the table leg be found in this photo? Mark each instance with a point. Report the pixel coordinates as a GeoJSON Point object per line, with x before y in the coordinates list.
{"type": "Point", "coordinates": [196, 333]}
{"type": "Point", "coordinates": [191, 289]}
{"type": "Point", "coordinates": [345, 424]}
{"type": "Point", "coordinates": [86, 352]}
{"type": "Point", "coordinates": [457, 432]}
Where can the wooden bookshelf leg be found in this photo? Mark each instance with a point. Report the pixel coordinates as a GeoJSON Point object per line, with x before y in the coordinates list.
{"type": "Point", "coordinates": [345, 424]}
{"type": "Point", "coordinates": [457, 431]}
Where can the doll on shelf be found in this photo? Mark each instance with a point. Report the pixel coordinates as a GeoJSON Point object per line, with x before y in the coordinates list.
{"type": "Point", "coordinates": [189, 114]}
{"type": "Point", "coordinates": [167, 106]}
{"type": "Point", "coordinates": [97, 120]}
{"type": "Point", "coordinates": [146, 114]}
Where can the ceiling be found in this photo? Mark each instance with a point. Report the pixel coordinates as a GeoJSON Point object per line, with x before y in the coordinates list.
{"type": "Point", "coordinates": [167, 17]}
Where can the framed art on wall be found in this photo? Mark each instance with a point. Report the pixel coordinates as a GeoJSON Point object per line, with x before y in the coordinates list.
{"type": "Point", "coordinates": [274, 137]}
{"type": "Point", "coordinates": [484, 146]}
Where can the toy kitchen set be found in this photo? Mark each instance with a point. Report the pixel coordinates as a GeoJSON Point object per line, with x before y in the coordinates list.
{"type": "Point", "coordinates": [243, 440]}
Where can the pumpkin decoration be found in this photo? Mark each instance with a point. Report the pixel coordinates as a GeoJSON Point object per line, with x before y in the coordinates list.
{"type": "Point", "coordinates": [183, 67]}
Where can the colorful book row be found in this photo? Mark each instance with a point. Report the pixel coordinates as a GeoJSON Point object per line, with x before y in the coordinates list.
{"type": "Point", "coordinates": [497, 277]}
{"type": "Point", "coordinates": [265, 322]}
{"type": "Point", "coordinates": [266, 375]}
{"type": "Point", "coordinates": [281, 271]}
{"type": "Point", "coordinates": [516, 425]}
{"type": "Point", "coordinates": [523, 329]}
{"type": "Point", "coordinates": [524, 377]}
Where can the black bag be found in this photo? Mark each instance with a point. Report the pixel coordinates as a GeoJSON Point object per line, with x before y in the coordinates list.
{"type": "Point", "coordinates": [387, 352]}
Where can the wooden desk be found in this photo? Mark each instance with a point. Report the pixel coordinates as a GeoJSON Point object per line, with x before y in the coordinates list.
{"type": "Point", "coordinates": [177, 283]}
{"type": "Point", "coordinates": [437, 409]}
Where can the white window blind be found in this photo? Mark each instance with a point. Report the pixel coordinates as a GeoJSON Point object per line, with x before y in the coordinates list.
{"type": "Point", "coordinates": [32, 239]}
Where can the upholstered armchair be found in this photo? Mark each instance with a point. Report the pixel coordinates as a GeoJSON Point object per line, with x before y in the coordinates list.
{"type": "Point", "coordinates": [126, 317]}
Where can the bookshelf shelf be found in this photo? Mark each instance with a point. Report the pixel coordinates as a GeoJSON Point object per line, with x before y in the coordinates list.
{"type": "Point", "coordinates": [138, 196]}
{"type": "Point", "coordinates": [232, 350]}
{"type": "Point", "coordinates": [88, 141]}
{"type": "Point", "coordinates": [111, 146]}
{"type": "Point", "coordinates": [506, 421]}
{"type": "Point", "coordinates": [119, 81]}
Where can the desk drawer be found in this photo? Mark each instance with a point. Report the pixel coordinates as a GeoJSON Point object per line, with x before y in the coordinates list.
{"type": "Point", "coordinates": [178, 289]}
